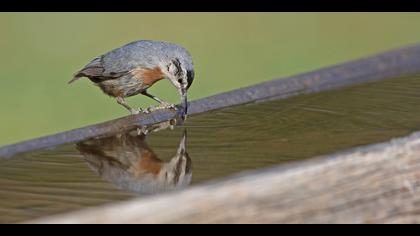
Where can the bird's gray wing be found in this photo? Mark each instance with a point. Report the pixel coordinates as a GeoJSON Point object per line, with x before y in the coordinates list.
{"type": "Point", "coordinates": [96, 69]}
{"type": "Point", "coordinates": [121, 61]}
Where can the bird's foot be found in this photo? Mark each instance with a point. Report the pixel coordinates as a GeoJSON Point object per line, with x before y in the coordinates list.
{"type": "Point", "coordinates": [166, 105]}
{"type": "Point", "coordinates": [163, 105]}
{"type": "Point", "coordinates": [135, 111]}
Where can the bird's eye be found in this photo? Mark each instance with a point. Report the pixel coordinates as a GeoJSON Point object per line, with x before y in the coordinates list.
{"type": "Point", "coordinates": [180, 81]}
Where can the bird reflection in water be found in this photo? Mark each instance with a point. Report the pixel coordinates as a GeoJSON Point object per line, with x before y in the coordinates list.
{"type": "Point", "coordinates": [130, 164]}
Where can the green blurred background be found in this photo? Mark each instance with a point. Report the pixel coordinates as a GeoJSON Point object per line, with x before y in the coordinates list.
{"type": "Point", "coordinates": [41, 51]}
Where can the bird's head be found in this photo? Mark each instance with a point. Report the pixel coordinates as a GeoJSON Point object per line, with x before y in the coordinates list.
{"type": "Point", "coordinates": [181, 73]}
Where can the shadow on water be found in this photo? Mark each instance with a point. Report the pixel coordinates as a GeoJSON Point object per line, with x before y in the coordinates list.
{"type": "Point", "coordinates": [220, 143]}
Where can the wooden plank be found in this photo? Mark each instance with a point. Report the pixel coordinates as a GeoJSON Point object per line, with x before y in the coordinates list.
{"type": "Point", "coordinates": [382, 66]}
{"type": "Point", "coordinates": [374, 184]}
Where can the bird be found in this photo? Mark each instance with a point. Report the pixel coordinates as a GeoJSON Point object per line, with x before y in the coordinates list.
{"type": "Point", "coordinates": [133, 68]}
{"type": "Point", "coordinates": [130, 164]}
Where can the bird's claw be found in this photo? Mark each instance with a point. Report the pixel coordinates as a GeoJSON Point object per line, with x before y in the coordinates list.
{"type": "Point", "coordinates": [167, 105]}
{"type": "Point", "coordinates": [135, 111]}
{"type": "Point", "coordinates": [163, 105]}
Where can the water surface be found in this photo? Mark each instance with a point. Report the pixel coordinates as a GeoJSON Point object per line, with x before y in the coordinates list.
{"type": "Point", "coordinates": [207, 147]}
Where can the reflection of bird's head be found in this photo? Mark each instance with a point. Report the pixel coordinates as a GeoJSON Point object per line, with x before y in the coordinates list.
{"type": "Point", "coordinates": [178, 169]}
{"type": "Point", "coordinates": [130, 164]}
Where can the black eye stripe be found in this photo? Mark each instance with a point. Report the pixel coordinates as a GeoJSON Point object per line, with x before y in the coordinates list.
{"type": "Point", "coordinates": [177, 64]}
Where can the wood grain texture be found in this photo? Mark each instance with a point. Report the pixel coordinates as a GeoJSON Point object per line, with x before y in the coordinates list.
{"type": "Point", "coordinates": [373, 184]}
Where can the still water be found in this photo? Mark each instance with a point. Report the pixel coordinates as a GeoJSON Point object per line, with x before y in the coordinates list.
{"type": "Point", "coordinates": [207, 147]}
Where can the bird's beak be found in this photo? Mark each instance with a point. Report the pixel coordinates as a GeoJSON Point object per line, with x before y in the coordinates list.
{"type": "Point", "coordinates": [184, 100]}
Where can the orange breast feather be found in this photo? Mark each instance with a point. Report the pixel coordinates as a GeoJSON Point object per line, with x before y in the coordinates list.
{"type": "Point", "coordinates": [149, 76]}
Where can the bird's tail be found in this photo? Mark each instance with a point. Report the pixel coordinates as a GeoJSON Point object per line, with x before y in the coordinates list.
{"type": "Point", "coordinates": [76, 77]}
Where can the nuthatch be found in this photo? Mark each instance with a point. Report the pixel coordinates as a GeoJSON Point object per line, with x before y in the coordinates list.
{"type": "Point", "coordinates": [135, 67]}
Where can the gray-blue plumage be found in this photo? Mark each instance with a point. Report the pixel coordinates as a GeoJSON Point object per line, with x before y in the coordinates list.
{"type": "Point", "coordinates": [144, 53]}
